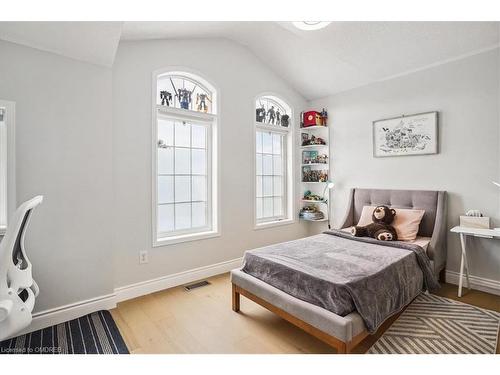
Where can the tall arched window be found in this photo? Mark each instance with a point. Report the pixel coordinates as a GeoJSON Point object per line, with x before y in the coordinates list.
{"type": "Point", "coordinates": [273, 156]}
{"type": "Point", "coordinates": [185, 158]}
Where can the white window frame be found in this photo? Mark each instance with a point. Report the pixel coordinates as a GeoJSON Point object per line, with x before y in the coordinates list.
{"type": "Point", "coordinates": [288, 167]}
{"type": "Point", "coordinates": [213, 177]}
{"type": "Point", "coordinates": [7, 163]}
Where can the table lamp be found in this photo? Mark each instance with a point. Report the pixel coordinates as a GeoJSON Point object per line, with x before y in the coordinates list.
{"type": "Point", "coordinates": [329, 185]}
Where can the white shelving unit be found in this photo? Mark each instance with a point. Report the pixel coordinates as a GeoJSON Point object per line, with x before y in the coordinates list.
{"type": "Point", "coordinates": [315, 187]}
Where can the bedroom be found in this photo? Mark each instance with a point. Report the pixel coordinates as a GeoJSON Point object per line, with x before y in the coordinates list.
{"type": "Point", "coordinates": [168, 152]}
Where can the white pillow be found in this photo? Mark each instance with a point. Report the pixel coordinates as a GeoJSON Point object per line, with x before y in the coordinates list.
{"type": "Point", "coordinates": [406, 222]}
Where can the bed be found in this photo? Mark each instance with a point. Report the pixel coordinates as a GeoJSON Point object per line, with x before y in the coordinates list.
{"type": "Point", "coordinates": [340, 288]}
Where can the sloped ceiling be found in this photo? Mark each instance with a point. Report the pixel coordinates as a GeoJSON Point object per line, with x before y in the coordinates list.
{"type": "Point", "coordinates": [93, 42]}
{"type": "Point", "coordinates": [316, 63]}
{"type": "Point", "coordinates": [340, 57]}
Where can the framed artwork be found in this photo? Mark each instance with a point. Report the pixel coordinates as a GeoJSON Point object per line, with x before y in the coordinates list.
{"type": "Point", "coordinates": [406, 135]}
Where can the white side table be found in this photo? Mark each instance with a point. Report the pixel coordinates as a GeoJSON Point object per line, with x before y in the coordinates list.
{"type": "Point", "coordinates": [474, 232]}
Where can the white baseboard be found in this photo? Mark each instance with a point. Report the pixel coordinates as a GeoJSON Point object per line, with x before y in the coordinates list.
{"type": "Point", "coordinates": [47, 318]}
{"type": "Point", "coordinates": [150, 286]}
{"type": "Point", "coordinates": [478, 283]}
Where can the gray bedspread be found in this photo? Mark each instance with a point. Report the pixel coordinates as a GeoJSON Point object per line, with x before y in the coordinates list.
{"type": "Point", "coordinates": [342, 273]}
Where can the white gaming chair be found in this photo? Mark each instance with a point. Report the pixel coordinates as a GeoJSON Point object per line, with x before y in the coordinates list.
{"type": "Point", "coordinates": [18, 290]}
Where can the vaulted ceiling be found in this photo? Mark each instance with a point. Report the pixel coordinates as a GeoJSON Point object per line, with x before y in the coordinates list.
{"type": "Point", "coordinates": [93, 42]}
{"type": "Point", "coordinates": [317, 63]}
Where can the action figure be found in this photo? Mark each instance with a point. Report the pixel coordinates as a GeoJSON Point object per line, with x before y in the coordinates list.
{"type": "Point", "coordinates": [278, 116]}
{"type": "Point", "coordinates": [285, 120]}
{"type": "Point", "coordinates": [324, 117]}
{"type": "Point", "coordinates": [272, 114]}
{"type": "Point", "coordinates": [201, 102]}
{"type": "Point", "coordinates": [184, 96]}
{"type": "Point", "coordinates": [166, 98]}
{"type": "Point", "coordinates": [260, 114]}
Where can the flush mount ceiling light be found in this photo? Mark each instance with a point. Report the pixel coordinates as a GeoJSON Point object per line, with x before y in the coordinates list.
{"type": "Point", "coordinates": [310, 25]}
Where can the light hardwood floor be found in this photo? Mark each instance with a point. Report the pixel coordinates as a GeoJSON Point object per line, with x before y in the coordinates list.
{"type": "Point", "coordinates": [201, 321]}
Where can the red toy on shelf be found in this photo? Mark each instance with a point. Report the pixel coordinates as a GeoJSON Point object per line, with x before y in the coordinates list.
{"type": "Point", "coordinates": [314, 118]}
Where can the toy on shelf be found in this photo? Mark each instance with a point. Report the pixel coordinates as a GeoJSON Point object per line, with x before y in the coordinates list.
{"type": "Point", "coordinates": [201, 102]}
{"type": "Point", "coordinates": [324, 117]}
{"type": "Point", "coordinates": [312, 140]}
{"type": "Point", "coordinates": [312, 157]}
{"type": "Point", "coordinates": [308, 196]}
{"type": "Point", "coordinates": [260, 114]}
{"type": "Point", "coordinates": [311, 213]}
{"type": "Point", "coordinates": [285, 120]}
{"type": "Point", "coordinates": [314, 118]}
{"type": "Point", "coordinates": [165, 97]}
{"type": "Point", "coordinates": [311, 175]}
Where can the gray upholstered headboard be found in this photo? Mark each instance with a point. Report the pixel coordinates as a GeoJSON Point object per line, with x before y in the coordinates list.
{"type": "Point", "coordinates": [433, 223]}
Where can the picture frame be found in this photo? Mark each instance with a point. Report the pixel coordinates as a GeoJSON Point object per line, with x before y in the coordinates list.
{"type": "Point", "coordinates": [406, 135]}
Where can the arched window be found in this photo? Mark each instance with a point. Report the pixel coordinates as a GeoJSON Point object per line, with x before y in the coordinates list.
{"type": "Point", "coordinates": [185, 158]}
{"type": "Point", "coordinates": [273, 161]}
{"type": "Point", "coordinates": [186, 91]}
{"type": "Point", "coordinates": [272, 111]}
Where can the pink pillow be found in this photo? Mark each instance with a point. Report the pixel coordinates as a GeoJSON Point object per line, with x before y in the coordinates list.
{"type": "Point", "coordinates": [406, 221]}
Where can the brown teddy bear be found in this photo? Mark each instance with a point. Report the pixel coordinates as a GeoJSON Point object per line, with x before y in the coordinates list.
{"type": "Point", "coordinates": [381, 228]}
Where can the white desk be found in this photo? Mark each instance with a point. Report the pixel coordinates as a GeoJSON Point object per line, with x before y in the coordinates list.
{"type": "Point", "coordinates": [475, 232]}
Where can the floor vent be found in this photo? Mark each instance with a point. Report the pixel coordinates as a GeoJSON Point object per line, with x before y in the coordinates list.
{"type": "Point", "coordinates": [196, 285]}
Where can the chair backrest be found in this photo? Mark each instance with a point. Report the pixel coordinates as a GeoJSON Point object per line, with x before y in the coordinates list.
{"type": "Point", "coordinates": [15, 267]}
{"type": "Point", "coordinates": [18, 290]}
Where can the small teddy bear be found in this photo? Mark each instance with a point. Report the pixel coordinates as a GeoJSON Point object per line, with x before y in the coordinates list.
{"type": "Point", "coordinates": [381, 228]}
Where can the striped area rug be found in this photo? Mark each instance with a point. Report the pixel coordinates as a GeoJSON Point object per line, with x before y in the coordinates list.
{"type": "Point", "coordinates": [438, 325]}
{"type": "Point", "coordinates": [95, 333]}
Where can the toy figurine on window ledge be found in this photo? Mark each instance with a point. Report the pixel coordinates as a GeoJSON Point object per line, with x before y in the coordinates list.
{"type": "Point", "coordinates": [285, 120]}
{"type": "Point", "coordinates": [278, 117]}
{"type": "Point", "coordinates": [184, 96]}
{"type": "Point", "coordinates": [201, 102]}
{"type": "Point", "coordinates": [166, 98]}
{"type": "Point", "coordinates": [272, 115]}
{"type": "Point", "coordinates": [260, 114]}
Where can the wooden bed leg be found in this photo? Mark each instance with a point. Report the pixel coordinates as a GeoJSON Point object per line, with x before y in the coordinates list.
{"type": "Point", "coordinates": [442, 275]}
{"type": "Point", "coordinates": [342, 349]}
{"type": "Point", "coordinates": [236, 299]}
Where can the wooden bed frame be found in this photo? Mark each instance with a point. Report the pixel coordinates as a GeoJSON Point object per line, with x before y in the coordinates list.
{"type": "Point", "coordinates": [433, 224]}
{"type": "Point", "coordinates": [342, 347]}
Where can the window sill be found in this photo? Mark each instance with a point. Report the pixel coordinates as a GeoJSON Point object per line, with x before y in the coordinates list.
{"type": "Point", "coordinates": [272, 224]}
{"type": "Point", "coordinates": [165, 241]}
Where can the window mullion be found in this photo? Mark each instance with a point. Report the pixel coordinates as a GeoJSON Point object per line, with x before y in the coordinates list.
{"type": "Point", "coordinates": [175, 177]}
{"type": "Point", "coordinates": [191, 173]}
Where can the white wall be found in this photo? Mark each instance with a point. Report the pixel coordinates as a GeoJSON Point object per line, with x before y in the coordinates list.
{"type": "Point", "coordinates": [466, 94]}
{"type": "Point", "coordinates": [63, 151]}
{"type": "Point", "coordinates": [240, 76]}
